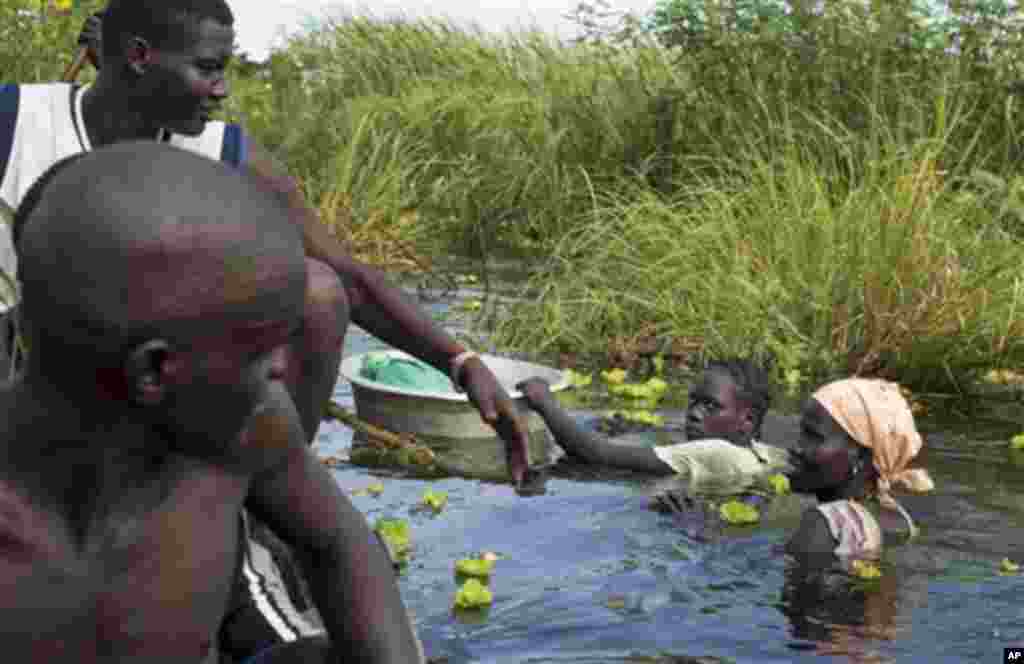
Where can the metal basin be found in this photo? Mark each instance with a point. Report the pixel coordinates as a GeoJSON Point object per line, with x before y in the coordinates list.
{"type": "Point", "coordinates": [447, 422]}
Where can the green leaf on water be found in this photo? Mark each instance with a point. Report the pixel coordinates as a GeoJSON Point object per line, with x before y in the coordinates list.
{"type": "Point", "coordinates": [473, 595]}
{"type": "Point", "coordinates": [780, 483]}
{"type": "Point", "coordinates": [738, 513]}
{"type": "Point", "coordinates": [1007, 566]}
{"type": "Point", "coordinates": [474, 567]}
{"type": "Point", "coordinates": [577, 379]}
{"type": "Point", "coordinates": [654, 388]}
{"type": "Point", "coordinates": [434, 500]}
{"type": "Point", "coordinates": [641, 416]}
{"type": "Point", "coordinates": [396, 535]}
{"type": "Point", "coordinates": [863, 569]}
{"type": "Point", "coordinates": [1017, 442]}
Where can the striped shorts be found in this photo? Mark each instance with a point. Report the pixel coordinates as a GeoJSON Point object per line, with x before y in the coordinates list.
{"type": "Point", "coordinates": [269, 604]}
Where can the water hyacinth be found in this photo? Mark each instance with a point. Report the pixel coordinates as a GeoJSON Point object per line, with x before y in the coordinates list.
{"type": "Point", "coordinates": [866, 570]}
{"type": "Point", "coordinates": [474, 567]}
{"type": "Point", "coordinates": [473, 595]}
{"type": "Point", "coordinates": [577, 379]}
{"type": "Point", "coordinates": [640, 416]}
{"type": "Point", "coordinates": [397, 537]}
{"type": "Point", "coordinates": [653, 389]}
{"type": "Point", "coordinates": [779, 484]}
{"type": "Point", "coordinates": [434, 500]}
{"type": "Point", "coordinates": [738, 513]}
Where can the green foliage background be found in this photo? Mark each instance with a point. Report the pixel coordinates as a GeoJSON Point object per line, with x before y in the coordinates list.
{"type": "Point", "coordinates": [36, 44]}
{"type": "Point", "coordinates": [836, 186]}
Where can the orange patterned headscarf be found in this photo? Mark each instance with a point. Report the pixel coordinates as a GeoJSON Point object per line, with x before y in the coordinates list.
{"type": "Point", "coordinates": [877, 416]}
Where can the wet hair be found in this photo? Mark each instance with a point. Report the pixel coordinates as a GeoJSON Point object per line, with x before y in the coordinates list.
{"type": "Point", "coordinates": [163, 23]}
{"type": "Point", "coordinates": [31, 198]}
{"type": "Point", "coordinates": [753, 385]}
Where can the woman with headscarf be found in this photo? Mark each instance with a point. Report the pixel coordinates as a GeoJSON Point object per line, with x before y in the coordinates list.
{"type": "Point", "coordinates": [857, 440]}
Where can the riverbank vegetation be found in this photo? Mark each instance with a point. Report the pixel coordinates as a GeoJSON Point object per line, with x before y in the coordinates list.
{"type": "Point", "coordinates": [832, 185]}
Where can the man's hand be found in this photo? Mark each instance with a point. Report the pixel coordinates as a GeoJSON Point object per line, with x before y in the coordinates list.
{"type": "Point", "coordinates": [349, 574]}
{"type": "Point", "coordinates": [498, 410]}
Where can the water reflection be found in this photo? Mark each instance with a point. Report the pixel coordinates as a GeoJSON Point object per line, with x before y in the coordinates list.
{"type": "Point", "coordinates": [832, 612]}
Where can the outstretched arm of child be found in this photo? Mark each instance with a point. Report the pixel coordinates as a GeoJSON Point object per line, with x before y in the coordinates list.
{"type": "Point", "coordinates": [587, 445]}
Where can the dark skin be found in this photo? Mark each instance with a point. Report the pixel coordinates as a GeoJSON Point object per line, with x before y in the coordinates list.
{"type": "Point", "coordinates": [121, 486]}
{"type": "Point", "coordinates": [714, 411]}
{"type": "Point", "coordinates": [148, 89]}
{"type": "Point", "coordinates": [830, 465]}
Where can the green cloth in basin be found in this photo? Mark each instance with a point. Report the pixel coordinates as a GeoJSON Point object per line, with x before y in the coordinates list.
{"type": "Point", "coordinates": [404, 372]}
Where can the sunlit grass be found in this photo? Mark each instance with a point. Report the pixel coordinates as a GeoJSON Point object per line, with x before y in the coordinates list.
{"type": "Point", "coordinates": [904, 274]}
{"type": "Point", "coordinates": [850, 209]}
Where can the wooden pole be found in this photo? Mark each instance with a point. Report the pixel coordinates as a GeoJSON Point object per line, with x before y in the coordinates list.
{"type": "Point", "coordinates": [376, 435]}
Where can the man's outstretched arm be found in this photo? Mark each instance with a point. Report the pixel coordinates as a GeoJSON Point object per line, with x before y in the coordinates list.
{"type": "Point", "coordinates": [386, 313]}
{"type": "Point", "coordinates": [349, 574]}
{"type": "Point", "coordinates": [587, 445]}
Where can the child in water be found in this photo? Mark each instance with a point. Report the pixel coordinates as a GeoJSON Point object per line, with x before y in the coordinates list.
{"type": "Point", "coordinates": [857, 439]}
{"type": "Point", "coordinates": [723, 426]}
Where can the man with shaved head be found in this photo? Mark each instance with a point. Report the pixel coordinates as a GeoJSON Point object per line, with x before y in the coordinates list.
{"type": "Point", "coordinates": [160, 290]}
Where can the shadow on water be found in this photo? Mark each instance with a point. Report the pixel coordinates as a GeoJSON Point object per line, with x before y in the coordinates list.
{"type": "Point", "coordinates": [591, 575]}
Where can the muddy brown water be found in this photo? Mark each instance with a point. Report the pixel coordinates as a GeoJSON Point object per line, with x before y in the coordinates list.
{"type": "Point", "coordinates": [591, 575]}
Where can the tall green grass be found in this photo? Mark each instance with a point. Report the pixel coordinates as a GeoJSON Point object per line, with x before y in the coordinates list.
{"type": "Point", "coordinates": [498, 141]}
{"type": "Point", "coordinates": [906, 273]}
{"type": "Point", "coordinates": [832, 198]}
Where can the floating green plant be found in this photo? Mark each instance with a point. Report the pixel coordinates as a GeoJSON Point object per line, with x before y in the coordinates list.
{"type": "Point", "coordinates": [577, 379]}
{"type": "Point", "coordinates": [653, 388]}
{"type": "Point", "coordinates": [434, 500]}
{"type": "Point", "coordinates": [479, 568]}
{"type": "Point", "coordinates": [396, 535]}
{"type": "Point", "coordinates": [779, 483]}
{"type": "Point", "coordinates": [1017, 442]}
{"type": "Point", "coordinates": [473, 595]}
{"type": "Point", "coordinates": [1007, 566]}
{"type": "Point", "coordinates": [739, 513]}
{"type": "Point", "coordinates": [863, 569]}
{"type": "Point", "coordinates": [641, 416]}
